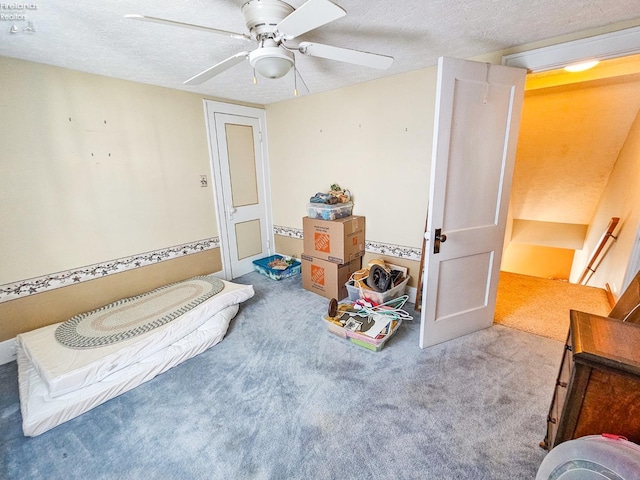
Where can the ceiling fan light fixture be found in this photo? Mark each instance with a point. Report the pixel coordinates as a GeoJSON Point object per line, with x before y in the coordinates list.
{"type": "Point", "coordinates": [271, 62]}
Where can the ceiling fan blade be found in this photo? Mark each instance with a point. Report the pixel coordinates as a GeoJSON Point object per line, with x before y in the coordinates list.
{"type": "Point", "coordinates": [310, 15]}
{"type": "Point", "coordinates": [216, 69]}
{"type": "Point", "coordinates": [366, 59]}
{"type": "Point", "coordinates": [173, 23]}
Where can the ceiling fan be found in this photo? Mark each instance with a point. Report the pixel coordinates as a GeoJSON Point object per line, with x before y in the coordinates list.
{"type": "Point", "coordinates": [273, 23]}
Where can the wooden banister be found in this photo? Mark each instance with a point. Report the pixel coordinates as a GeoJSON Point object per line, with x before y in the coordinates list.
{"type": "Point", "coordinates": [590, 269]}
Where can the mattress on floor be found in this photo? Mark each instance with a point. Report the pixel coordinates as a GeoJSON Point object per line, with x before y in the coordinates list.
{"type": "Point", "coordinates": [41, 412]}
{"type": "Point", "coordinates": [63, 369]}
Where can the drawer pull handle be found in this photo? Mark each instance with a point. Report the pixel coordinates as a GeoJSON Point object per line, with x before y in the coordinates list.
{"type": "Point", "coordinates": [568, 347]}
{"type": "Point", "coordinates": [562, 384]}
{"type": "Point", "coordinates": [551, 420]}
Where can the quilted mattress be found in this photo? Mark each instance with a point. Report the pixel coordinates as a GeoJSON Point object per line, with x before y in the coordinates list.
{"type": "Point", "coordinates": [64, 369]}
{"type": "Point", "coordinates": [57, 383]}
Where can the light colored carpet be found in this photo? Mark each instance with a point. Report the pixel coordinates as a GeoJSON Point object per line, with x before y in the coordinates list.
{"type": "Point", "coordinates": [541, 306]}
{"type": "Point", "coordinates": [282, 398]}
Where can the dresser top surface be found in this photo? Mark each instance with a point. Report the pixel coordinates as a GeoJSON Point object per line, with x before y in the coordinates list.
{"type": "Point", "coordinates": [606, 340]}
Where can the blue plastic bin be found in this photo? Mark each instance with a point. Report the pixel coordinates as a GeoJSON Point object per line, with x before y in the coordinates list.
{"type": "Point", "coordinates": [262, 266]}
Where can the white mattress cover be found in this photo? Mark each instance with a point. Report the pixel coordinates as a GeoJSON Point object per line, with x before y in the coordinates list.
{"type": "Point", "coordinates": [41, 412]}
{"type": "Point", "coordinates": [65, 369]}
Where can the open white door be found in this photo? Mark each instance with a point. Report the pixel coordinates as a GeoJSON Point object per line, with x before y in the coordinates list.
{"type": "Point", "coordinates": [475, 135]}
{"type": "Point", "coordinates": [241, 185]}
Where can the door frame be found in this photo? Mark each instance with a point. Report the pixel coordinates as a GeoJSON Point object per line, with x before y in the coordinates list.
{"type": "Point", "coordinates": [212, 107]}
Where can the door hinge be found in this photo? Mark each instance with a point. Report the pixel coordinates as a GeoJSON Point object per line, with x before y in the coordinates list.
{"type": "Point", "coordinates": [260, 136]}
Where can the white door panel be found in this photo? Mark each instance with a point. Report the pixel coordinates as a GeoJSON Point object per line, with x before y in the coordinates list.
{"type": "Point", "coordinates": [477, 118]}
{"type": "Point", "coordinates": [242, 190]}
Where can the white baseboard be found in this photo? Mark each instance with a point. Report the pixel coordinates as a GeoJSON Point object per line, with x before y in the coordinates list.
{"type": "Point", "coordinates": [7, 351]}
{"type": "Point", "coordinates": [412, 292]}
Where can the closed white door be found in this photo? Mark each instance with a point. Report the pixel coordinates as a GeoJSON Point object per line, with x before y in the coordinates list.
{"type": "Point", "coordinates": [241, 186]}
{"type": "Point", "coordinates": [476, 130]}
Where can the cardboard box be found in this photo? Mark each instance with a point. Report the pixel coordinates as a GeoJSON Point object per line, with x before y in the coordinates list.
{"type": "Point", "coordinates": [327, 278]}
{"type": "Point", "coordinates": [338, 241]}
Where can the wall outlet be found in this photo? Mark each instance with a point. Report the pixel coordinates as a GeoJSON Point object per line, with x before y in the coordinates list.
{"type": "Point", "coordinates": [203, 181]}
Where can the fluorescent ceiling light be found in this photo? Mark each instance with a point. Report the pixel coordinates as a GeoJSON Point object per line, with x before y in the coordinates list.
{"type": "Point", "coordinates": [582, 66]}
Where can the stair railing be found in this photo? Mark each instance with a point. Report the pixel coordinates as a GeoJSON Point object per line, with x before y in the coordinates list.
{"type": "Point", "coordinates": [594, 260]}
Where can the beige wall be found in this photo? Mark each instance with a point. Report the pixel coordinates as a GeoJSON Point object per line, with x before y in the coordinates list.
{"type": "Point", "coordinates": [621, 198]}
{"type": "Point", "coordinates": [538, 261]}
{"type": "Point", "coordinates": [288, 246]}
{"type": "Point", "coordinates": [34, 311]}
{"type": "Point", "coordinates": [373, 138]}
{"type": "Point", "coordinates": [93, 169]}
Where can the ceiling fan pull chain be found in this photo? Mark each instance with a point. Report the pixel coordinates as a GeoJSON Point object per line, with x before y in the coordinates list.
{"type": "Point", "coordinates": [255, 79]}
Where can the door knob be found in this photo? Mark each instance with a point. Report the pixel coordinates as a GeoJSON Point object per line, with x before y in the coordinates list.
{"type": "Point", "coordinates": [439, 238]}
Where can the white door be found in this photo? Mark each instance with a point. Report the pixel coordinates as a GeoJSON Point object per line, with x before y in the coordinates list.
{"type": "Point", "coordinates": [238, 151]}
{"type": "Point", "coordinates": [476, 130]}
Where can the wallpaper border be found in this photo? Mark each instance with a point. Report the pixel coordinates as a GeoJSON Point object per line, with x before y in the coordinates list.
{"type": "Point", "coordinates": [23, 288]}
{"type": "Point", "coordinates": [399, 251]}
{"type": "Point", "coordinates": [288, 232]}
{"type": "Point", "coordinates": [31, 286]}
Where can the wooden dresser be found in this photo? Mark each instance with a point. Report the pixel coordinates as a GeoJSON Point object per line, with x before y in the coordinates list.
{"type": "Point", "coordinates": [598, 386]}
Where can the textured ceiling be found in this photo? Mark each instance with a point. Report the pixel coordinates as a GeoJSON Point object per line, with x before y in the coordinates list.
{"type": "Point", "coordinates": [93, 36]}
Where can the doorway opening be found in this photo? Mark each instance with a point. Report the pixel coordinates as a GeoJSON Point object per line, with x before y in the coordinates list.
{"type": "Point", "coordinates": [573, 128]}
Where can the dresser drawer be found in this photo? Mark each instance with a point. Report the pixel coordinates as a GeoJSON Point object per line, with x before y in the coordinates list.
{"type": "Point", "coordinates": [598, 385]}
{"type": "Point", "coordinates": [559, 395]}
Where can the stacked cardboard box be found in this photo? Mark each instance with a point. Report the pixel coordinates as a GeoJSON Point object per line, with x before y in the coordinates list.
{"type": "Point", "coordinates": [333, 250]}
